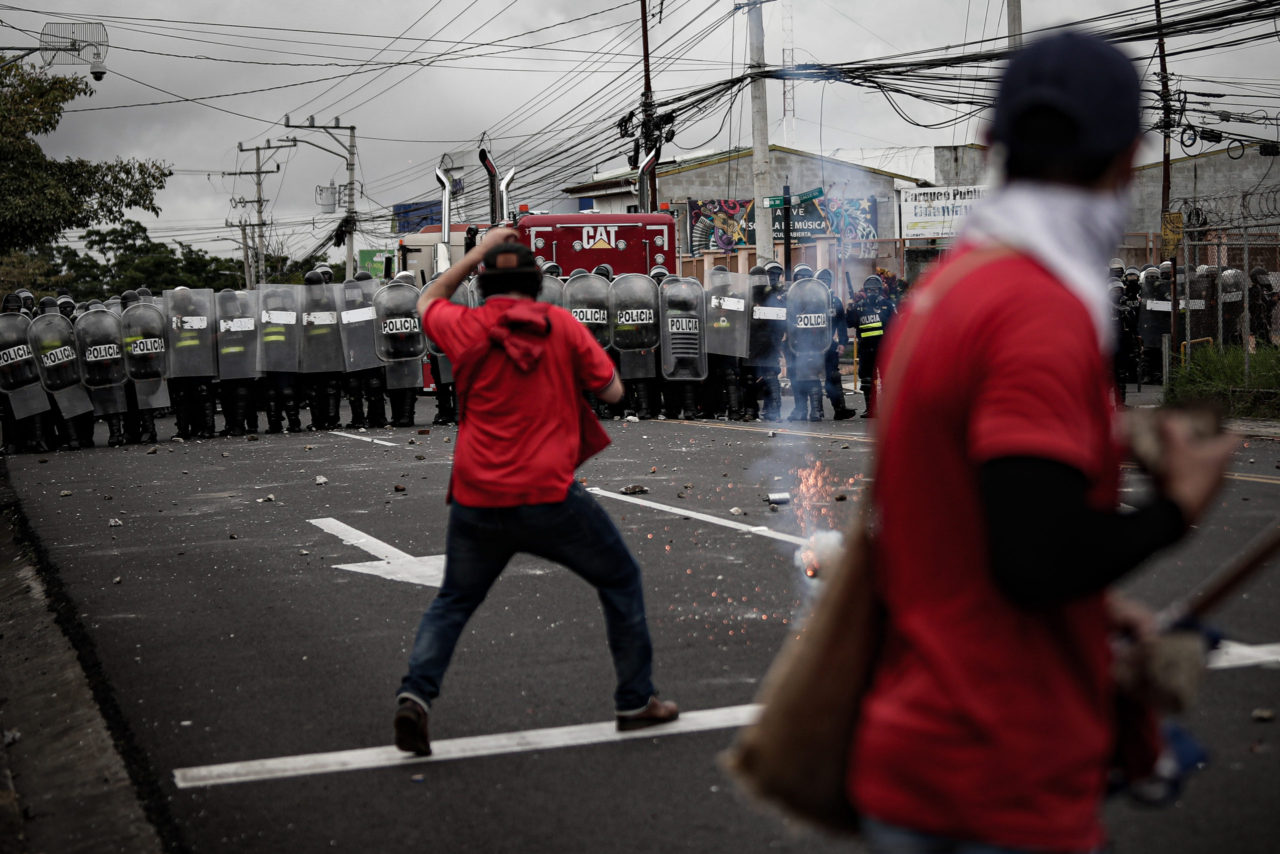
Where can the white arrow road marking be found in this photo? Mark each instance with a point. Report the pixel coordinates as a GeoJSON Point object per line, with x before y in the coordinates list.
{"type": "Point", "coordinates": [392, 563]}
{"type": "Point", "coordinates": [365, 439]}
{"type": "Point", "coordinates": [1230, 654]}
{"type": "Point", "coordinates": [758, 530]}
{"type": "Point", "coordinates": [459, 748]}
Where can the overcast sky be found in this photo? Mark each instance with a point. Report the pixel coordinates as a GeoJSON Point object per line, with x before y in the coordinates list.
{"type": "Point", "coordinates": [527, 101]}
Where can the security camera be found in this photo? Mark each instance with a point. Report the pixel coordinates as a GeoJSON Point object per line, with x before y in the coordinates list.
{"type": "Point", "coordinates": [98, 69]}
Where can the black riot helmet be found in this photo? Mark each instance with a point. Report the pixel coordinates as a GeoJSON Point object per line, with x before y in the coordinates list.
{"type": "Point", "coordinates": [48, 305]}
{"type": "Point", "coordinates": [313, 277]}
{"type": "Point", "coordinates": [145, 293]}
{"type": "Point", "coordinates": [757, 270]}
{"type": "Point", "coordinates": [1166, 270]}
{"type": "Point", "coordinates": [129, 298]}
{"type": "Point", "coordinates": [801, 271]}
{"type": "Point", "coordinates": [27, 299]}
{"type": "Point", "coordinates": [1115, 268]}
{"type": "Point", "coordinates": [604, 270]}
{"type": "Point", "coordinates": [719, 268]}
{"type": "Point", "coordinates": [11, 304]}
{"type": "Point", "coordinates": [66, 305]}
{"type": "Point", "coordinates": [228, 303]}
{"type": "Point", "coordinates": [873, 285]}
{"type": "Point", "coordinates": [1260, 277]}
{"type": "Point", "coordinates": [825, 276]}
{"type": "Point", "coordinates": [658, 273]}
{"type": "Point", "coordinates": [551, 268]}
{"type": "Point", "coordinates": [363, 276]}
{"type": "Point", "coordinates": [326, 273]}
{"type": "Point", "coordinates": [775, 272]}
{"type": "Point", "coordinates": [578, 271]}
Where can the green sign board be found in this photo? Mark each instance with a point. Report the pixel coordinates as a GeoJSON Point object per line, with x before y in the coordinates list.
{"type": "Point", "coordinates": [774, 201]}
{"type": "Point", "coordinates": [371, 260]}
{"type": "Point", "coordinates": [808, 196]}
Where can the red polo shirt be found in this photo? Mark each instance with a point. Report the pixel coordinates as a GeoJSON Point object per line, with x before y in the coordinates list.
{"type": "Point", "coordinates": [518, 440]}
{"type": "Point", "coordinates": [987, 721]}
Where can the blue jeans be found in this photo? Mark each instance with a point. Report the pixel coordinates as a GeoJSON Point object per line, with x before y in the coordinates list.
{"type": "Point", "coordinates": [576, 533]}
{"type": "Point", "coordinates": [891, 839]}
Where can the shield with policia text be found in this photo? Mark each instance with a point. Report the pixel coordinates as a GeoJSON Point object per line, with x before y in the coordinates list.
{"type": "Point", "coordinates": [53, 341]}
{"type": "Point", "coordinates": [19, 370]}
{"type": "Point", "coordinates": [192, 329]}
{"type": "Point", "coordinates": [100, 343]}
{"type": "Point", "coordinates": [682, 321]}
{"type": "Point", "coordinates": [587, 298]}
{"type": "Point", "coordinates": [146, 354]}
{"type": "Point", "coordinates": [358, 323]}
{"type": "Point", "coordinates": [728, 313]}
{"type": "Point", "coordinates": [398, 340]}
{"type": "Point", "coordinates": [321, 340]}
{"type": "Point", "coordinates": [279, 328]}
{"type": "Point", "coordinates": [237, 336]}
{"type": "Point", "coordinates": [768, 323]}
{"type": "Point", "coordinates": [633, 316]}
{"type": "Point", "coordinates": [808, 328]}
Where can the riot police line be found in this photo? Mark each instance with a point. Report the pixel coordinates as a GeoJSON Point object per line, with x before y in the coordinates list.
{"type": "Point", "coordinates": [684, 349]}
{"type": "Point", "coordinates": [1213, 304]}
{"type": "Point", "coordinates": [275, 350]}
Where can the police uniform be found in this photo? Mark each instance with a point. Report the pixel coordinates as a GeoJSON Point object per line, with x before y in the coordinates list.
{"type": "Point", "coordinates": [870, 316]}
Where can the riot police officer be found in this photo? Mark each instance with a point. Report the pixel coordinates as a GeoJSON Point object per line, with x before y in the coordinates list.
{"type": "Point", "coordinates": [762, 397]}
{"type": "Point", "coordinates": [365, 387]}
{"type": "Point", "coordinates": [833, 385]}
{"type": "Point", "coordinates": [870, 316]}
{"type": "Point", "coordinates": [1126, 323]}
{"type": "Point", "coordinates": [321, 352]}
{"type": "Point", "coordinates": [279, 345]}
{"type": "Point", "coordinates": [1262, 304]}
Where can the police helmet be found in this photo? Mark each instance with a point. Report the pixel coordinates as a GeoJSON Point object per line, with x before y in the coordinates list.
{"type": "Point", "coordinates": [658, 273]}
{"type": "Point", "coordinates": [129, 298]}
{"type": "Point", "coordinates": [48, 305]}
{"type": "Point", "coordinates": [719, 268]}
{"type": "Point", "coordinates": [604, 270]}
{"type": "Point", "coordinates": [407, 277]}
{"type": "Point", "coordinates": [825, 276]}
{"type": "Point", "coordinates": [578, 271]}
{"type": "Point", "coordinates": [801, 271]}
{"type": "Point", "coordinates": [325, 271]}
{"type": "Point", "coordinates": [363, 276]}
{"type": "Point", "coordinates": [757, 270]}
{"type": "Point", "coordinates": [551, 268]}
{"type": "Point", "coordinates": [314, 277]}
{"type": "Point", "coordinates": [144, 292]}
{"type": "Point", "coordinates": [11, 303]}
{"type": "Point", "coordinates": [1260, 277]}
{"type": "Point", "coordinates": [66, 305]}
{"type": "Point", "coordinates": [1116, 267]}
{"type": "Point", "coordinates": [1231, 280]}
{"type": "Point", "coordinates": [27, 298]}
{"type": "Point", "coordinates": [873, 283]}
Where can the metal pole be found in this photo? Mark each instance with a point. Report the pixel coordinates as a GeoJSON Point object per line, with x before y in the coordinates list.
{"type": "Point", "coordinates": [261, 229]}
{"type": "Point", "coordinates": [1015, 24]}
{"type": "Point", "coordinates": [1166, 129]}
{"type": "Point", "coordinates": [244, 246]}
{"type": "Point", "coordinates": [786, 229]}
{"type": "Point", "coordinates": [1217, 283]}
{"type": "Point", "coordinates": [351, 204]}
{"type": "Point", "coordinates": [760, 138]}
{"type": "Point", "coordinates": [1248, 324]}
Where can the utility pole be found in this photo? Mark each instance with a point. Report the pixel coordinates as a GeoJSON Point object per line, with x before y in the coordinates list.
{"type": "Point", "coordinates": [759, 135]}
{"type": "Point", "coordinates": [1166, 130]}
{"type": "Point", "coordinates": [1015, 24]}
{"type": "Point", "coordinates": [257, 172]}
{"type": "Point", "coordinates": [348, 227]}
{"type": "Point", "coordinates": [244, 246]}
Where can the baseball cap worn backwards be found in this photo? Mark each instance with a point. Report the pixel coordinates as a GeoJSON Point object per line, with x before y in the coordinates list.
{"type": "Point", "coordinates": [1081, 76]}
{"type": "Point", "coordinates": [510, 265]}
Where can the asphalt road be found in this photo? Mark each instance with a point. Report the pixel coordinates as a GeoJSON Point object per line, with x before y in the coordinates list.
{"type": "Point", "coordinates": [235, 610]}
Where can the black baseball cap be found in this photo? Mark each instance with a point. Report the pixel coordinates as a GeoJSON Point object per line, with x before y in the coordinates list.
{"type": "Point", "coordinates": [510, 266]}
{"type": "Point", "coordinates": [1081, 76]}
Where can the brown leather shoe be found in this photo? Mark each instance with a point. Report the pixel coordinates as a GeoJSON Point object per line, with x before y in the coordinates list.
{"type": "Point", "coordinates": [655, 712]}
{"type": "Point", "coordinates": [411, 728]}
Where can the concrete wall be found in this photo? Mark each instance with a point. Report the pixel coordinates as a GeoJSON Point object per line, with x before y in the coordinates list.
{"type": "Point", "coordinates": [959, 165]}
{"type": "Point", "coordinates": [1210, 174]}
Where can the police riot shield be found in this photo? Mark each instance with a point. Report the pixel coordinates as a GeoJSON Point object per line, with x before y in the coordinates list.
{"type": "Point", "coordinates": [462, 296]}
{"type": "Point", "coordinates": [279, 328]}
{"type": "Point", "coordinates": [192, 328]}
{"type": "Point", "coordinates": [321, 340]}
{"type": "Point", "coordinates": [146, 355]}
{"type": "Point", "coordinates": [53, 341]}
{"type": "Point", "coordinates": [552, 291]}
{"type": "Point", "coordinates": [406, 373]}
{"type": "Point", "coordinates": [768, 324]}
{"type": "Point", "coordinates": [728, 313]}
{"type": "Point", "coordinates": [19, 370]}
{"type": "Point", "coordinates": [1201, 314]}
{"type": "Point", "coordinates": [357, 324]}
{"type": "Point", "coordinates": [682, 319]}
{"type": "Point", "coordinates": [237, 338]}
{"type": "Point", "coordinates": [808, 328]}
{"type": "Point", "coordinates": [587, 298]}
{"type": "Point", "coordinates": [397, 332]}
{"type": "Point", "coordinates": [100, 343]}
{"type": "Point", "coordinates": [1231, 288]}
{"type": "Point", "coordinates": [1153, 312]}
{"type": "Point", "coordinates": [633, 316]}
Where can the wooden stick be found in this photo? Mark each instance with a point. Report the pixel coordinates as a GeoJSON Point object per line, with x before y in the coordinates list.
{"type": "Point", "coordinates": [1244, 565]}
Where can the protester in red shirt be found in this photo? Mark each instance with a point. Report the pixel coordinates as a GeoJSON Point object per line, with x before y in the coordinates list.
{"type": "Point", "coordinates": [521, 368]}
{"type": "Point", "coordinates": [990, 721]}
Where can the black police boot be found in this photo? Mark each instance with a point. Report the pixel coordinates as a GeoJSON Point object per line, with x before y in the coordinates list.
{"type": "Point", "coordinates": [233, 420]}
{"type": "Point", "coordinates": [249, 410]}
{"type": "Point", "coordinates": [334, 399]}
{"type": "Point", "coordinates": [357, 412]}
{"type": "Point", "coordinates": [734, 395]}
{"type": "Point", "coordinates": [688, 401]}
{"type": "Point", "coordinates": [815, 404]}
{"type": "Point", "coordinates": [377, 413]}
{"type": "Point", "coordinates": [82, 426]}
{"type": "Point", "coordinates": [147, 423]}
{"type": "Point", "coordinates": [396, 399]}
{"type": "Point", "coordinates": [446, 406]}
{"type": "Point", "coordinates": [38, 436]}
{"type": "Point", "coordinates": [115, 430]}
{"type": "Point", "coordinates": [275, 415]}
{"type": "Point", "coordinates": [869, 392]}
{"type": "Point", "coordinates": [843, 411]}
{"type": "Point", "coordinates": [772, 408]}
{"type": "Point", "coordinates": [208, 411]}
{"type": "Point", "coordinates": [411, 408]}
{"type": "Point", "coordinates": [644, 405]}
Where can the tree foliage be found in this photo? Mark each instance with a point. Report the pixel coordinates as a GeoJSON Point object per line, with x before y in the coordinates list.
{"type": "Point", "coordinates": [43, 197]}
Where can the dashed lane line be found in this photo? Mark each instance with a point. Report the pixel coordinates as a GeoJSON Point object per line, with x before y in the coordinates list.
{"type": "Point", "coordinates": [365, 438]}
{"type": "Point", "coordinates": [459, 748]}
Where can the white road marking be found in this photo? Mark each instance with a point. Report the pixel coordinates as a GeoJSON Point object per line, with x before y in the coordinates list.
{"type": "Point", "coordinates": [758, 530]}
{"type": "Point", "coordinates": [459, 748]}
{"type": "Point", "coordinates": [364, 438]}
{"type": "Point", "coordinates": [392, 563]}
{"type": "Point", "coordinates": [1230, 654]}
